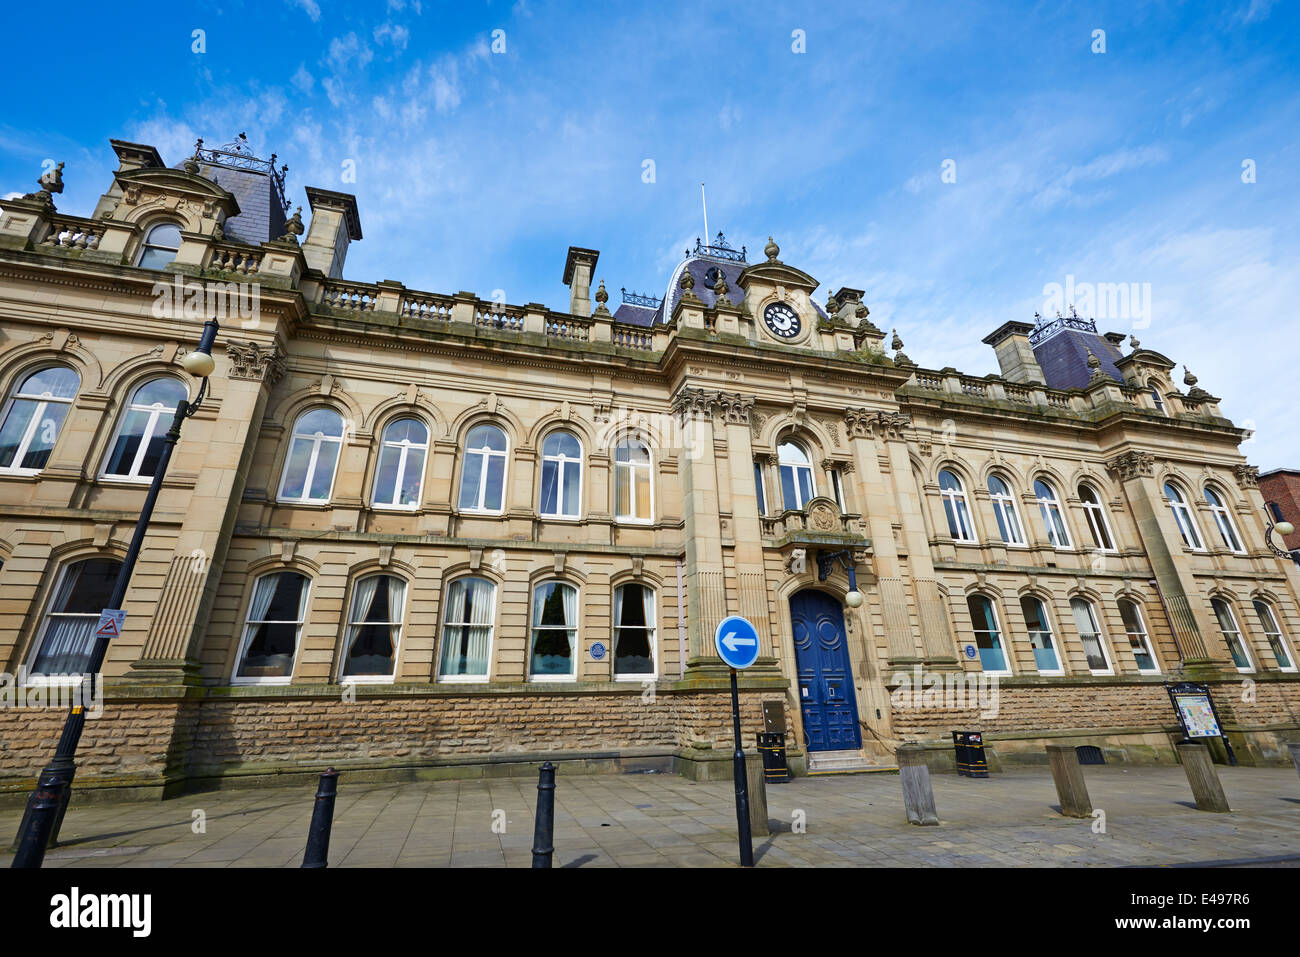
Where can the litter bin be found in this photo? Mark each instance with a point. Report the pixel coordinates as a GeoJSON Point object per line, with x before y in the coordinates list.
{"type": "Point", "coordinates": [969, 746]}
{"type": "Point", "coordinates": [771, 745]}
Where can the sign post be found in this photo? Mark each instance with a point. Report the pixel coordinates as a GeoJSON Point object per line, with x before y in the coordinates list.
{"type": "Point", "coordinates": [737, 643]}
{"type": "Point", "coordinates": [1197, 714]}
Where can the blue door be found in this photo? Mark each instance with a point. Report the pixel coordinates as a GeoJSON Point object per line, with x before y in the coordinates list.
{"type": "Point", "coordinates": [830, 710]}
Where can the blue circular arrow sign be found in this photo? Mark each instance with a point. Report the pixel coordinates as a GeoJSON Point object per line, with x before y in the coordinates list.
{"type": "Point", "coordinates": [737, 642]}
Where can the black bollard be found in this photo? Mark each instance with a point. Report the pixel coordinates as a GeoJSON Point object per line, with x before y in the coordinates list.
{"type": "Point", "coordinates": [544, 829]}
{"type": "Point", "coordinates": [42, 809]}
{"type": "Point", "coordinates": [322, 819]}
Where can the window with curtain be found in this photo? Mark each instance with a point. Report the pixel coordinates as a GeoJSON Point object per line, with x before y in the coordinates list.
{"type": "Point", "coordinates": [759, 492]}
{"type": "Point", "coordinates": [1138, 640]}
{"type": "Point", "coordinates": [33, 417]}
{"type": "Point", "coordinates": [1094, 645]}
{"type": "Point", "coordinates": [467, 630]}
{"type": "Point", "coordinates": [313, 456]}
{"type": "Point", "coordinates": [161, 244]}
{"type": "Point", "coordinates": [1049, 507]}
{"type": "Point", "coordinates": [374, 627]}
{"type": "Point", "coordinates": [400, 473]}
{"type": "Point", "coordinates": [1096, 515]}
{"type": "Point", "coordinates": [634, 632]}
{"type": "Point", "coordinates": [1004, 510]}
{"type": "Point", "coordinates": [632, 488]}
{"type": "Point", "coordinates": [797, 485]}
{"type": "Point", "coordinates": [561, 495]}
{"type": "Point", "coordinates": [1183, 517]}
{"type": "Point", "coordinates": [82, 591]}
{"type": "Point", "coordinates": [555, 631]}
{"type": "Point", "coordinates": [1232, 635]}
{"type": "Point", "coordinates": [953, 494]}
{"type": "Point", "coordinates": [483, 475]}
{"type": "Point", "coordinates": [1223, 520]}
{"type": "Point", "coordinates": [1040, 635]}
{"type": "Point", "coordinates": [138, 444]}
{"type": "Point", "coordinates": [988, 636]}
{"type": "Point", "coordinates": [1273, 632]}
{"type": "Point", "coordinates": [272, 627]}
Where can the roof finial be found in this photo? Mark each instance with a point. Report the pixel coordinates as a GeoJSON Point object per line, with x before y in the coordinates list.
{"type": "Point", "coordinates": [1188, 378]}
{"type": "Point", "coordinates": [1133, 342]}
{"type": "Point", "coordinates": [687, 281]}
{"type": "Point", "coordinates": [293, 227]}
{"type": "Point", "coordinates": [720, 288]}
{"type": "Point", "coordinates": [602, 296]}
{"type": "Point", "coordinates": [900, 357]}
{"type": "Point", "coordinates": [771, 250]}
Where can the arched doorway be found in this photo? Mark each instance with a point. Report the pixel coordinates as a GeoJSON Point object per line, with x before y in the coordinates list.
{"type": "Point", "coordinates": [826, 696]}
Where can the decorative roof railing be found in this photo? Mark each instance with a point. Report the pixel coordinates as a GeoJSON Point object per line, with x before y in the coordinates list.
{"type": "Point", "coordinates": [238, 155]}
{"type": "Point", "coordinates": [1045, 328]}
{"type": "Point", "coordinates": [637, 299]}
{"type": "Point", "coordinates": [720, 249]}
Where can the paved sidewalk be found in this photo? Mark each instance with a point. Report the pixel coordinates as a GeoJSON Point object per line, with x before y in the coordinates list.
{"type": "Point", "coordinates": [659, 820]}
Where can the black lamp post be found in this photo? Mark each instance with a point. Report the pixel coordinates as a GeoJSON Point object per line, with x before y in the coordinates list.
{"type": "Point", "coordinates": [48, 803]}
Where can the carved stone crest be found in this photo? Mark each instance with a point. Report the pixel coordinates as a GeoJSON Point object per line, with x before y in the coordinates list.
{"type": "Point", "coordinates": [1131, 465]}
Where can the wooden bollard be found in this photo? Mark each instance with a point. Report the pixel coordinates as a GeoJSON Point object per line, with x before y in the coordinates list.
{"type": "Point", "coordinates": [918, 795]}
{"type": "Point", "coordinates": [1202, 777]}
{"type": "Point", "coordinates": [1071, 789]}
{"type": "Point", "coordinates": [757, 779]}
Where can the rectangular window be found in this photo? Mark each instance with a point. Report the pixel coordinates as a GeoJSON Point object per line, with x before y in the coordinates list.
{"type": "Point", "coordinates": [555, 632]}
{"type": "Point", "coordinates": [1273, 632]}
{"type": "Point", "coordinates": [837, 489]}
{"type": "Point", "coordinates": [1040, 636]}
{"type": "Point", "coordinates": [272, 627]}
{"type": "Point", "coordinates": [84, 589]}
{"type": "Point", "coordinates": [467, 630]}
{"type": "Point", "coordinates": [1232, 635]}
{"type": "Point", "coordinates": [988, 638]}
{"type": "Point", "coordinates": [634, 632]}
{"type": "Point", "coordinates": [374, 627]}
{"type": "Point", "coordinates": [1094, 645]}
{"type": "Point", "coordinates": [1138, 640]}
{"type": "Point", "coordinates": [758, 488]}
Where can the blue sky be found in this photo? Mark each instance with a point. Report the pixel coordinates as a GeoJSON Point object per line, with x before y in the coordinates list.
{"type": "Point", "coordinates": [477, 169]}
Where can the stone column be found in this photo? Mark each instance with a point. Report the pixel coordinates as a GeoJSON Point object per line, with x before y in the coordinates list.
{"type": "Point", "coordinates": [706, 599]}
{"type": "Point", "coordinates": [747, 529]}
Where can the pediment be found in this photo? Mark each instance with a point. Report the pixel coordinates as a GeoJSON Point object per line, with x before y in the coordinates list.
{"type": "Point", "coordinates": [778, 274]}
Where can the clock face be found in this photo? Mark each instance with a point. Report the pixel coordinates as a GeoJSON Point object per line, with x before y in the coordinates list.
{"type": "Point", "coordinates": [782, 320]}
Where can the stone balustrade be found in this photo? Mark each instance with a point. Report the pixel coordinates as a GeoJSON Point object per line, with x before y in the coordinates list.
{"type": "Point", "coordinates": [434, 308]}
{"type": "Point", "coordinates": [568, 327]}
{"type": "Point", "coordinates": [73, 232]}
{"type": "Point", "coordinates": [353, 297]}
{"type": "Point", "coordinates": [232, 258]}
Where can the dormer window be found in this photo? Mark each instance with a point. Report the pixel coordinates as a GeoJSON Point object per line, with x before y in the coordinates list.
{"type": "Point", "coordinates": [160, 246]}
{"type": "Point", "coordinates": [1155, 398]}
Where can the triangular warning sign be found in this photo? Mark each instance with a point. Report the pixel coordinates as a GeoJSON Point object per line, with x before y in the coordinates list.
{"type": "Point", "coordinates": [107, 628]}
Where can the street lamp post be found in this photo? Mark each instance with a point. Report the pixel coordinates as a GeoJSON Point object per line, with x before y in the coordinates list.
{"type": "Point", "coordinates": [48, 803]}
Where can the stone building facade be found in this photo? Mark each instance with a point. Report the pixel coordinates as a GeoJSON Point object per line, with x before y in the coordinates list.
{"type": "Point", "coordinates": [418, 534]}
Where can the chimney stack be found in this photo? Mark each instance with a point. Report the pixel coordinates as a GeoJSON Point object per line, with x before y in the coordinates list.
{"type": "Point", "coordinates": [334, 223]}
{"type": "Point", "coordinates": [1010, 342]}
{"type": "Point", "coordinates": [578, 268]}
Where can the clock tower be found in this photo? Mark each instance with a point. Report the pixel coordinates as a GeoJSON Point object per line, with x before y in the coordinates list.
{"type": "Point", "coordinates": [780, 298]}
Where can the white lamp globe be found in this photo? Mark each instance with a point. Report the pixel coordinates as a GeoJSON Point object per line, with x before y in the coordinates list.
{"type": "Point", "coordinates": [199, 364]}
{"type": "Point", "coordinates": [853, 599]}
{"type": "Point", "coordinates": [1284, 528]}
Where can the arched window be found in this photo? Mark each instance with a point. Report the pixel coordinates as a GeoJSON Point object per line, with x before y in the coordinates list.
{"type": "Point", "coordinates": [1138, 639]}
{"type": "Point", "coordinates": [374, 627]}
{"type": "Point", "coordinates": [953, 494]}
{"type": "Point", "coordinates": [1096, 514]}
{"type": "Point", "coordinates": [1049, 507]}
{"type": "Point", "coordinates": [313, 456]}
{"type": "Point", "coordinates": [1094, 643]}
{"type": "Point", "coordinates": [759, 493]}
{"type": "Point", "coordinates": [467, 630]}
{"type": "Point", "coordinates": [1004, 510]}
{"type": "Point", "coordinates": [1223, 519]}
{"type": "Point", "coordinates": [33, 417]}
{"type": "Point", "coordinates": [483, 476]}
{"type": "Point", "coordinates": [1040, 636]}
{"type": "Point", "coordinates": [1183, 517]}
{"type": "Point", "coordinates": [555, 632]}
{"type": "Point", "coordinates": [561, 495]}
{"type": "Point", "coordinates": [402, 453]}
{"type": "Point", "coordinates": [1156, 400]}
{"type": "Point", "coordinates": [1232, 635]}
{"type": "Point", "coordinates": [988, 636]}
{"type": "Point", "coordinates": [66, 635]}
{"type": "Point", "coordinates": [272, 628]}
{"type": "Point", "coordinates": [138, 445]}
{"type": "Point", "coordinates": [797, 485]}
{"type": "Point", "coordinates": [634, 632]}
{"type": "Point", "coordinates": [632, 485]}
{"type": "Point", "coordinates": [1273, 632]}
{"type": "Point", "coordinates": [160, 246]}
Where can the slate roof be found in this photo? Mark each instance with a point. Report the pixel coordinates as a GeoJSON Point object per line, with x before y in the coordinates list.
{"type": "Point", "coordinates": [635, 315]}
{"type": "Point", "coordinates": [261, 217]}
{"type": "Point", "coordinates": [1063, 357]}
{"type": "Point", "coordinates": [700, 267]}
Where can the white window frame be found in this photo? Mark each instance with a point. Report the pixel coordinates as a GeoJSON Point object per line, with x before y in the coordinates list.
{"type": "Point", "coordinates": [1223, 520]}
{"type": "Point", "coordinates": [1095, 514]}
{"type": "Point", "coordinates": [795, 468]}
{"type": "Point", "coordinates": [145, 245]}
{"type": "Point", "coordinates": [346, 650]}
{"type": "Point", "coordinates": [442, 635]}
{"type": "Point", "coordinates": [43, 400]}
{"type": "Point", "coordinates": [405, 446]}
{"type": "Point", "coordinates": [1005, 512]}
{"type": "Point", "coordinates": [1003, 642]}
{"type": "Point", "coordinates": [66, 680]}
{"type": "Point", "coordinates": [1144, 635]}
{"type": "Point", "coordinates": [1051, 636]}
{"type": "Point", "coordinates": [1098, 633]}
{"type": "Point", "coordinates": [1153, 389]}
{"type": "Point", "coordinates": [318, 439]}
{"type": "Point", "coordinates": [652, 629]}
{"type": "Point", "coordinates": [624, 472]}
{"type": "Point", "coordinates": [246, 636]}
{"type": "Point", "coordinates": [533, 629]}
{"type": "Point", "coordinates": [156, 411]}
{"type": "Point", "coordinates": [487, 455]}
{"type": "Point", "coordinates": [1236, 630]}
{"type": "Point", "coordinates": [1276, 632]}
{"type": "Point", "coordinates": [1046, 507]}
{"type": "Point", "coordinates": [1183, 517]}
{"type": "Point", "coordinates": [956, 500]}
{"type": "Point", "coordinates": [563, 463]}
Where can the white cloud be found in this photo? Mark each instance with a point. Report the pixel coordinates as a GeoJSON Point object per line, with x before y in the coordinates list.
{"type": "Point", "coordinates": [395, 34]}
{"type": "Point", "coordinates": [303, 80]}
{"type": "Point", "coordinates": [310, 7]}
